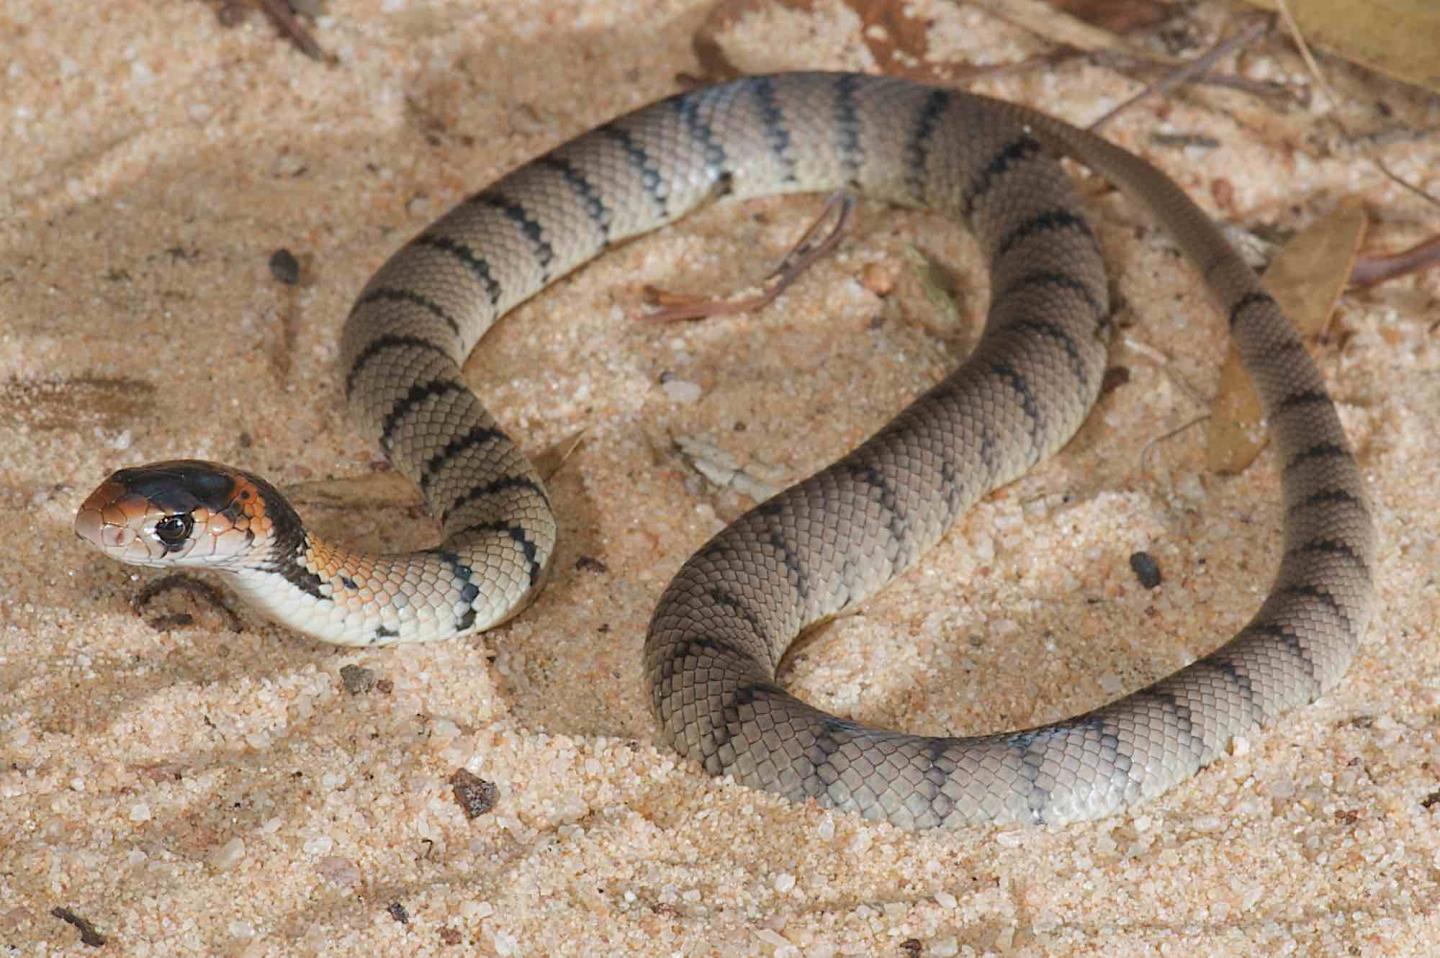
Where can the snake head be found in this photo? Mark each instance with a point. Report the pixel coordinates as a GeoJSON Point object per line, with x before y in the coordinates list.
{"type": "Point", "coordinates": [182, 512]}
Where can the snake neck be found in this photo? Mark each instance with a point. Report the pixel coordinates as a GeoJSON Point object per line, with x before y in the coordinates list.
{"type": "Point", "coordinates": [353, 598]}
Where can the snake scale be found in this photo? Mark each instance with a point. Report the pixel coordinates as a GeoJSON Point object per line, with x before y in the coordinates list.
{"type": "Point", "coordinates": [724, 621]}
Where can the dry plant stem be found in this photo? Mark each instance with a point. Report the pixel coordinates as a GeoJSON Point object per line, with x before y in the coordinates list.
{"type": "Point", "coordinates": [283, 17]}
{"type": "Point", "coordinates": [1399, 180]}
{"type": "Point", "coordinates": [804, 254]}
{"type": "Point", "coordinates": [1150, 446]}
{"type": "Point", "coordinates": [1370, 270]}
{"type": "Point", "coordinates": [1292, 26]}
{"type": "Point", "coordinates": [1188, 71]}
{"type": "Point", "coordinates": [1294, 29]}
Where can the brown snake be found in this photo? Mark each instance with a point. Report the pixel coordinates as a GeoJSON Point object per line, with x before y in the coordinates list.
{"type": "Point", "coordinates": [826, 543]}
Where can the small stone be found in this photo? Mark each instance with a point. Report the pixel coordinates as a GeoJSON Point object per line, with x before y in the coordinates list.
{"type": "Point", "coordinates": [911, 946]}
{"type": "Point", "coordinates": [318, 845]}
{"type": "Point", "coordinates": [338, 871]}
{"type": "Point", "coordinates": [681, 390]}
{"type": "Point", "coordinates": [450, 936]}
{"type": "Point", "coordinates": [1147, 570]}
{"type": "Point", "coordinates": [784, 882]}
{"type": "Point", "coordinates": [139, 812]}
{"type": "Point", "coordinates": [946, 900]}
{"type": "Point", "coordinates": [474, 794]}
{"type": "Point", "coordinates": [285, 267]}
{"type": "Point", "coordinates": [228, 855]}
{"type": "Point", "coordinates": [398, 912]}
{"type": "Point", "coordinates": [357, 679]}
{"type": "Point", "coordinates": [878, 279]}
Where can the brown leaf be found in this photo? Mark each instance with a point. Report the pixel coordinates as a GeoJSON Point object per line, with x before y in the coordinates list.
{"type": "Point", "coordinates": [1059, 27]}
{"type": "Point", "coordinates": [1399, 38]}
{"type": "Point", "coordinates": [372, 489]}
{"type": "Point", "coordinates": [898, 42]}
{"type": "Point", "coordinates": [1306, 278]}
{"type": "Point", "coordinates": [1117, 16]}
{"type": "Point", "coordinates": [714, 65]}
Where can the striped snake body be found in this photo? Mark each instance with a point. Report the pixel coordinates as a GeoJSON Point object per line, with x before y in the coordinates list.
{"type": "Point", "coordinates": [829, 541]}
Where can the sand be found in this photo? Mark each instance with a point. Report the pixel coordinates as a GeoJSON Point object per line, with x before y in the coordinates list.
{"type": "Point", "coordinates": [192, 785]}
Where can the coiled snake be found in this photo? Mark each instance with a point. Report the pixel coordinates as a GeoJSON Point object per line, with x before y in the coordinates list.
{"type": "Point", "coordinates": [724, 621]}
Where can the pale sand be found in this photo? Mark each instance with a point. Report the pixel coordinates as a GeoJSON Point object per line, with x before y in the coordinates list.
{"type": "Point", "coordinates": [203, 791]}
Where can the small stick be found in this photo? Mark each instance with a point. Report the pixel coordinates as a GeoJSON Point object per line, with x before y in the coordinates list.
{"type": "Point", "coordinates": [1150, 446]}
{"type": "Point", "coordinates": [1379, 267]}
{"type": "Point", "coordinates": [804, 254]}
{"type": "Point", "coordinates": [1187, 71]}
{"type": "Point", "coordinates": [283, 17]}
{"type": "Point", "coordinates": [88, 934]}
{"type": "Point", "coordinates": [1399, 180]}
{"type": "Point", "coordinates": [1294, 27]}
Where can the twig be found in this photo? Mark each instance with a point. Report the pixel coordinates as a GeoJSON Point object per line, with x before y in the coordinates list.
{"type": "Point", "coordinates": [804, 254]}
{"type": "Point", "coordinates": [283, 17]}
{"type": "Point", "coordinates": [1186, 71]}
{"type": "Point", "coordinates": [88, 934]}
{"type": "Point", "coordinates": [1150, 446]}
{"type": "Point", "coordinates": [1370, 270]}
{"type": "Point", "coordinates": [1294, 27]}
{"type": "Point", "coordinates": [1399, 180]}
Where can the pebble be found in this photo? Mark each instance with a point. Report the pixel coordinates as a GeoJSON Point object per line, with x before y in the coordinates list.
{"type": "Point", "coordinates": [473, 794]}
{"type": "Point", "coordinates": [318, 845]}
{"type": "Point", "coordinates": [1147, 570]}
{"type": "Point", "coordinates": [681, 390]}
{"type": "Point", "coordinates": [356, 679]}
{"type": "Point", "coordinates": [285, 267]}
{"type": "Point", "coordinates": [228, 855]}
{"type": "Point", "coordinates": [338, 871]}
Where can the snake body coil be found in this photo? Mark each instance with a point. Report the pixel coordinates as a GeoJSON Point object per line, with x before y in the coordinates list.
{"type": "Point", "coordinates": [723, 623]}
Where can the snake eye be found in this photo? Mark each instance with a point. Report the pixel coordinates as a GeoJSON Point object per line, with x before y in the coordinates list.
{"type": "Point", "coordinates": [173, 530]}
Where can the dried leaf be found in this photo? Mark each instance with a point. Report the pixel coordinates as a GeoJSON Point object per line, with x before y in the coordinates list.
{"type": "Point", "coordinates": [1059, 27]}
{"type": "Point", "coordinates": [899, 42]}
{"type": "Point", "coordinates": [705, 42]}
{"type": "Point", "coordinates": [1117, 16]}
{"type": "Point", "coordinates": [939, 283]}
{"type": "Point", "coordinates": [373, 489]}
{"type": "Point", "coordinates": [549, 461]}
{"type": "Point", "coordinates": [1306, 278]}
{"type": "Point", "coordinates": [1400, 38]}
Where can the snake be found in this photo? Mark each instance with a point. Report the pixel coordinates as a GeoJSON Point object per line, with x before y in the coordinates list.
{"type": "Point", "coordinates": [826, 543]}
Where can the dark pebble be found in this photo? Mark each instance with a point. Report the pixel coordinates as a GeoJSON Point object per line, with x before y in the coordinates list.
{"type": "Point", "coordinates": [285, 267]}
{"type": "Point", "coordinates": [474, 795]}
{"type": "Point", "coordinates": [398, 912]}
{"type": "Point", "coordinates": [1147, 570]}
{"type": "Point", "coordinates": [356, 679]}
